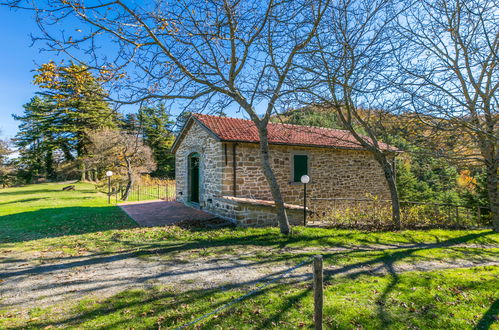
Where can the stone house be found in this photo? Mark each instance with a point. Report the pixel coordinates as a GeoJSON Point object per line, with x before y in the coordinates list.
{"type": "Point", "coordinates": [218, 167]}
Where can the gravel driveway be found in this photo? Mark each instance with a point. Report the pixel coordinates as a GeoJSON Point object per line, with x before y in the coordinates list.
{"type": "Point", "coordinates": [27, 280]}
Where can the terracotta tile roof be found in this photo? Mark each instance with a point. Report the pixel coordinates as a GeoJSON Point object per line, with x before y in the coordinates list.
{"type": "Point", "coordinates": [242, 130]}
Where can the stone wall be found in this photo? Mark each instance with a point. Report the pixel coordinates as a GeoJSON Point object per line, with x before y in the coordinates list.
{"type": "Point", "coordinates": [253, 215]}
{"type": "Point", "coordinates": [211, 165]}
{"type": "Point", "coordinates": [334, 173]}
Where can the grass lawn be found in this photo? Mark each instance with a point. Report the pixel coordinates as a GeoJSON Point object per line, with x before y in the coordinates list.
{"type": "Point", "coordinates": [41, 219]}
{"type": "Point", "coordinates": [40, 211]}
{"type": "Point", "coordinates": [450, 299]}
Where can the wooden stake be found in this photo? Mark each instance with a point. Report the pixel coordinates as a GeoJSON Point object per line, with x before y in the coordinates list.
{"type": "Point", "coordinates": [318, 292]}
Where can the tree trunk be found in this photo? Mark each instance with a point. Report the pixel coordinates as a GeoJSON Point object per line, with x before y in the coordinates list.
{"type": "Point", "coordinates": [282, 217]}
{"type": "Point", "coordinates": [49, 165]}
{"type": "Point", "coordinates": [392, 186]}
{"type": "Point", "coordinates": [129, 183]}
{"type": "Point", "coordinates": [83, 169]}
{"type": "Point", "coordinates": [492, 193]}
{"type": "Point", "coordinates": [67, 153]}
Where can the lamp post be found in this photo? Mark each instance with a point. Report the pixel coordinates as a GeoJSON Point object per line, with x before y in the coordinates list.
{"type": "Point", "coordinates": [305, 179]}
{"type": "Point", "coordinates": [109, 174]}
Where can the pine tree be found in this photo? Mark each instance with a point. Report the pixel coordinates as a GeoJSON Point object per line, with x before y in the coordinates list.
{"type": "Point", "coordinates": [5, 166]}
{"type": "Point", "coordinates": [36, 140]}
{"type": "Point", "coordinates": [71, 102]}
{"type": "Point", "coordinates": [156, 128]}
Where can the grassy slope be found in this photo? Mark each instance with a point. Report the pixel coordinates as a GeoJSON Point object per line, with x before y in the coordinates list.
{"type": "Point", "coordinates": [42, 217]}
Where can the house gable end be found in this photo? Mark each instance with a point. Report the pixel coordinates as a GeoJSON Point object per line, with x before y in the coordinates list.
{"type": "Point", "coordinates": [185, 130]}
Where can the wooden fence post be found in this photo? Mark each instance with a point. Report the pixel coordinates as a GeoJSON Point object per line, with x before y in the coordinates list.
{"type": "Point", "coordinates": [318, 292]}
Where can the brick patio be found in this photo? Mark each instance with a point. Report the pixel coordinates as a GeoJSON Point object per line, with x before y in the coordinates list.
{"type": "Point", "coordinates": [161, 213]}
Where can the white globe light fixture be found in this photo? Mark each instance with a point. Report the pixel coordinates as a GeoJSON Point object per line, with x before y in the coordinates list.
{"type": "Point", "coordinates": [305, 179]}
{"type": "Point", "coordinates": [109, 174]}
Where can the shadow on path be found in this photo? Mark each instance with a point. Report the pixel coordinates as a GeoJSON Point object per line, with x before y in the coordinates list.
{"type": "Point", "coordinates": [386, 261]}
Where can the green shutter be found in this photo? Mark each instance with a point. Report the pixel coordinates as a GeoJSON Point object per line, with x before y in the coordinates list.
{"type": "Point", "coordinates": [300, 167]}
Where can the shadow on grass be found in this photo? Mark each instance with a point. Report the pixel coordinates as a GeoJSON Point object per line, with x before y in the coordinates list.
{"type": "Point", "coordinates": [23, 200]}
{"type": "Point", "coordinates": [137, 250]}
{"type": "Point", "coordinates": [56, 222]}
{"type": "Point", "coordinates": [489, 318]}
{"type": "Point", "coordinates": [26, 192]}
{"type": "Point", "coordinates": [168, 302]}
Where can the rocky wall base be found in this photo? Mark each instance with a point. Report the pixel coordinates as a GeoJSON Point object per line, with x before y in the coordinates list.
{"type": "Point", "coordinates": [252, 215]}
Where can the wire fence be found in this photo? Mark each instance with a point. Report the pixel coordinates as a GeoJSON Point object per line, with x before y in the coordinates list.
{"type": "Point", "coordinates": [376, 213]}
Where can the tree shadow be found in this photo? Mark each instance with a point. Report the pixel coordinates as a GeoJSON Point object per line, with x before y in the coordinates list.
{"type": "Point", "coordinates": [490, 317]}
{"type": "Point", "coordinates": [55, 222]}
{"type": "Point", "coordinates": [26, 192]}
{"type": "Point", "coordinates": [139, 249]}
{"type": "Point", "coordinates": [165, 302]}
{"type": "Point", "coordinates": [388, 261]}
{"type": "Point", "coordinates": [23, 200]}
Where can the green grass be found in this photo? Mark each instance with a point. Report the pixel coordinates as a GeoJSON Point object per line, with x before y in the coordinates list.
{"type": "Point", "coordinates": [39, 218]}
{"type": "Point", "coordinates": [450, 299]}
{"type": "Point", "coordinates": [43, 218]}
{"type": "Point", "coordinates": [40, 211]}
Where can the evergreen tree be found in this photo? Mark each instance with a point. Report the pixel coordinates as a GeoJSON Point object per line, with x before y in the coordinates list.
{"type": "Point", "coordinates": [156, 128]}
{"type": "Point", "coordinates": [5, 166]}
{"type": "Point", "coordinates": [71, 102]}
{"type": "Point", "coordinates": [36, 140]}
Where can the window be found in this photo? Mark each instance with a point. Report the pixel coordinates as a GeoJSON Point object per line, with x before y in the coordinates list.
{"type": "Point", "coordinates": [300, 167]}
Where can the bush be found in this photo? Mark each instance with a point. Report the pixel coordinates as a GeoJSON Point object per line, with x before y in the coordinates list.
{"type": "Point", "coordinates": [375, 214]}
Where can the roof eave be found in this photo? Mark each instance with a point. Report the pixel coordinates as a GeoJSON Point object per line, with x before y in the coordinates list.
{"type": "Point", "coordinates": [305, 145]}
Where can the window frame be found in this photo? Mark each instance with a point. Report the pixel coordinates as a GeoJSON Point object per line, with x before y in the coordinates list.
{"type": "Point", "coordinates": [292, 174]}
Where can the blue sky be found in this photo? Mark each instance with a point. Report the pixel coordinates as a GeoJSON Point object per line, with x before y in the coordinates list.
{"type": "Point", "coordinates": [17, 61]}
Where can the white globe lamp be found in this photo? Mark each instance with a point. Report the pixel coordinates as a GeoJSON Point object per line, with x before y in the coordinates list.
{"type": "Point", "coordinates": [109, 174]}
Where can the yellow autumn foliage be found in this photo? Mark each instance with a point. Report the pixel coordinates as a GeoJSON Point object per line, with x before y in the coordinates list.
{"type": "Point", "coordinates": [465, 180]}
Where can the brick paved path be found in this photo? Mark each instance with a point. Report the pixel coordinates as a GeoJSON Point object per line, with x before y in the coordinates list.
{"type": "Point", "coordinates": [161, 213]}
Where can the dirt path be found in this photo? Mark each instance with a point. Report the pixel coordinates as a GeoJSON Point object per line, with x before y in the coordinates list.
{"type": "Point", "coordinates": [25, 282]}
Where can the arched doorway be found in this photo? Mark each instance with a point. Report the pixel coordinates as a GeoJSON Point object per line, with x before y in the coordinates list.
{"type": "Point", "coordinates": [194, 177]}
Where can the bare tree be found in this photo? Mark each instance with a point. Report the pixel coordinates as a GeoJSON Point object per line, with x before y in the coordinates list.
{"type": "Point", "coordinates": [350, 72]}
{"type": "Point", "coordinates": [449, 57]}
{"type": "Point", "coordinates": [209, 53]}
{"type": "Point", "coordinates": [123, 152]}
